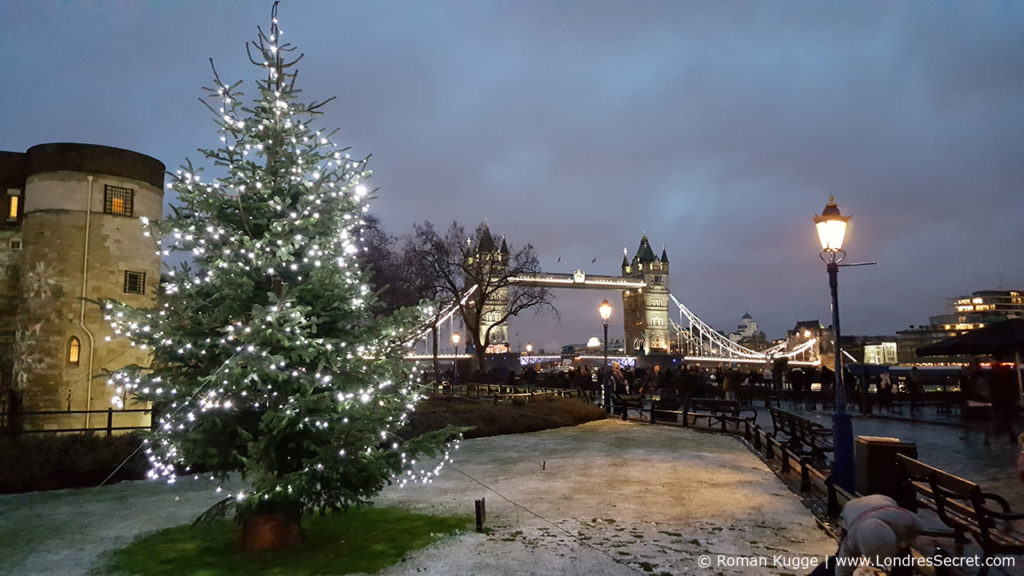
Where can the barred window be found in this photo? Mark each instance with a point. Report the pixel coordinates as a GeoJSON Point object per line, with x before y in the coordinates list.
{"type": "Point", "coordinates": [134, 282]}
{"type": "Point", "coordinates": [74, 348]}
{"type": "Point", "coordinates": [118, 200]}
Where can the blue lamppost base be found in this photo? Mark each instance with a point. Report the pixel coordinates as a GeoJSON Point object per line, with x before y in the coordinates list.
{"type": "Point", "coordinates": [842, 461]}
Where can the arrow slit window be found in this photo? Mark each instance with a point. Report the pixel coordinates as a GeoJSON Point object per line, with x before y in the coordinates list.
{"type": "Point", "coordinates": [74, 349]}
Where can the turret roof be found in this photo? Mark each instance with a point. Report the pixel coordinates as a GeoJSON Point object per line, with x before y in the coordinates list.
{"type": "Point", "coordinates": [644, 252]}
{"type": "Point", "coordinates": [486, 241]}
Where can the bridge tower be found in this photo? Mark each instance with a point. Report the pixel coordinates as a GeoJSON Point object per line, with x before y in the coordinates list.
{"type": "Point", "coordinates": [645, 310]}
{"type": "Point", "coordinates": [493, 262]}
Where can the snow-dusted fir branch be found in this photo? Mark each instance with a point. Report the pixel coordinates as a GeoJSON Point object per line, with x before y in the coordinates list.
{"type": "Point", "coordinates": [267, 357]}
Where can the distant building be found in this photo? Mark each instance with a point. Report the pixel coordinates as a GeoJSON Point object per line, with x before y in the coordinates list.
{"type": "Point", "coordinates": [885, 352]}
{"type": "Point", "coordinates": [806, 330]}
{"type": "Point", "coordinates": [748, 335]}
{"type": "Point", "coordinates": [645, 310]}
{"type": "Point", "coordinates": [494, 262]}
{"type": "Point", "coordinates": [967, 313]}
{"type": "Point", "coordinates": [72, 216]}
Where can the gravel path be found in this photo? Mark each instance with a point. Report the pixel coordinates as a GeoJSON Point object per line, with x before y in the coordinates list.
{"type": "Point", "coordinates": [605, 498]}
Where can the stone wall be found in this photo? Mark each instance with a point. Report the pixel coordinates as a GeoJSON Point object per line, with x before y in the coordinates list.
{"type": "Point", "coordinates": [66, 232]}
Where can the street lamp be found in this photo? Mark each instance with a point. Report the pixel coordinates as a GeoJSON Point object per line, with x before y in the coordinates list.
{"type": "Point", "coordinates": [455, 360]}
{"type": "Point", "coordinates": [605, 309]}
{"type": "Point", "coordinates": [529, 348]}
{"type": "Point", "coordinates": [831, 227]}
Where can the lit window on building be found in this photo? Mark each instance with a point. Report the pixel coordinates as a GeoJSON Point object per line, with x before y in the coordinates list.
{"type": "Point", "coordinates": [13, 203]}
{"type": "Point", "coordinates": [118, 200]}
{"type": "Point", "coordinates": [74, 350]}
{"type": "Point", "coordinates": [134, 282]}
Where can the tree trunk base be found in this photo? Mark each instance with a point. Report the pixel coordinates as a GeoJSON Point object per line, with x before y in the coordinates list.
{"type": "Point", "coordinates": [270, 531]}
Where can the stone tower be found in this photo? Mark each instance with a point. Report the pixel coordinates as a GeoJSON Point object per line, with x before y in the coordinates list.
{"type": "Point", "coordinates": [645, 310]}
{"type": "Point", "coordinates": [494, 264]}
{"type": "Point", "coordinates": [76, 220]}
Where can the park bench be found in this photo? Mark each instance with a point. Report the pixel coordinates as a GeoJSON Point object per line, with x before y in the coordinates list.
{"type": "Point", "coordinates": [802, 436]}
{"type": "Point", "coordinates": [721, 413]}
{"type": "Point", "coordinates": [624, 403]}
{"type": "Point", "coordinates": [655, 407]}
{"type": "Point", "coordinates": [965, 510]}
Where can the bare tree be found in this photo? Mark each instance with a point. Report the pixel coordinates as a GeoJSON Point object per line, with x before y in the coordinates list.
{"type": "Point", "coordinates": [389, 277]}
{"type": "Point", "coordinates": [444, 266]}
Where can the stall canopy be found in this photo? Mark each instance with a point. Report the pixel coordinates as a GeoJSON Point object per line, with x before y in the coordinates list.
{"type": "Point", "coordinates": [1000, 339]}
{"type": "Point", "coordinates": [1003, 338]}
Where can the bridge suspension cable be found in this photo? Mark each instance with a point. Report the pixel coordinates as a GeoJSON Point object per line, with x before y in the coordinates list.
{"type": "Point", "coordinates": [716, 342]}
{"type": "Point", "coordinates": [445, 315]}
{"type": "Point", "coordinates": [709, 344]}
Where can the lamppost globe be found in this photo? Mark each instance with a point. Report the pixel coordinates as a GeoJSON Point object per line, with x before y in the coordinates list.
{"type": "Point", "coordinates": [529, 348]}
{"type": "Point", "coordinates": [605, 310]}
{"type": "Point", "coordinates": [456, 338]}
{"type": "Point", "coordinates": [831, 227]}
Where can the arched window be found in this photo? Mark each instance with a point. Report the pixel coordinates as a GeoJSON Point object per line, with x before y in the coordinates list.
{"type": "Point", "coordinates": [74, 350]}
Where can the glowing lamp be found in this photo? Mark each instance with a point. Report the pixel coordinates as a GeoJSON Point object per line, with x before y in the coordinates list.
{"type": "Point", "coordinates": [606, 310]}
{"type": "Point", "coordinates": [831, 227]}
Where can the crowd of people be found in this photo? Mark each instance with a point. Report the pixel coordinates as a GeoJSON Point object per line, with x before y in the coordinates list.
{"type": "Point", "coordinates": [988, 394]}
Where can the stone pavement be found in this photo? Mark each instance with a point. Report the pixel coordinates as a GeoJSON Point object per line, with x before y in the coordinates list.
{"type": "Point", "coordinates": [613, 497]}
{"type": "Point", "coordinates": [943, 441]}
{"type": "Point", "coordinates": [604, 498]}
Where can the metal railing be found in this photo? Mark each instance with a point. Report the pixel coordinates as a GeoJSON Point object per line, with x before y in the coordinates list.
{"type": "Point", "coordinates": [9, 421]}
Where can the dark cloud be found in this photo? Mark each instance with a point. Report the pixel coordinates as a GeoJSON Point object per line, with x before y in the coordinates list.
{"type": "Point", "coordinates": [718, 129]}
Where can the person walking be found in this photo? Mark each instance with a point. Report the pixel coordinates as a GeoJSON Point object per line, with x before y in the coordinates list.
{"type": "Point", "coordinates": [730, 383]}
{"type": "Point", "coordinates": [797, 378]}
{"type": "Point", "coordinates": [914, 385]}
{"type": "Point", "coordinates": [1004, 401]}
{"type": "Point", "coordinates": [885, 392]}
{"type": "Point", "coordinates": [1020, 458]}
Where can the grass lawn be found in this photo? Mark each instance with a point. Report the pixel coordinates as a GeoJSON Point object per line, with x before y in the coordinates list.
{"type": "Point", "coordinates": [365, 539]}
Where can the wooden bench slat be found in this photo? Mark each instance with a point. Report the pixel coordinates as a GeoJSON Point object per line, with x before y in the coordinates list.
{"type": "Point", "coordinates": [962, 506]}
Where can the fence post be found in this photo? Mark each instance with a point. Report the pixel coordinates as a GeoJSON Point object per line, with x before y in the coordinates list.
{"type": "Point", "coordinates": [833, 498]}
{"type": "Point", "coordinates": [110, 420]}
{"type": "Point", "coordinates": [481, 513]}
{"type": "Point", "coordinates": [805, 475]}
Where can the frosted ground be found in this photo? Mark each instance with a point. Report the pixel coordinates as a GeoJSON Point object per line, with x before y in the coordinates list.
{"type": "Point", "coordinates": [604, 498]}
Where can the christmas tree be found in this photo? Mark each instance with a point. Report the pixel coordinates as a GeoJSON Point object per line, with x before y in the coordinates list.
{"type": "Point", "coordinates": [267, 357]}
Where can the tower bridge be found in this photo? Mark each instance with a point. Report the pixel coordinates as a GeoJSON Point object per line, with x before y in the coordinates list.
{"type": "Point", "coordinates": [646, 312]}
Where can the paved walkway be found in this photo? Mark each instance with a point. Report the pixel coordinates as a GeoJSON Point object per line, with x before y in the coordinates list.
{"type": "Point", "coordinates": [618, 498]}
{"type": "Point", "coordinates": [943, 441]}
{"type": "Point", "coordinates": [604, 498]}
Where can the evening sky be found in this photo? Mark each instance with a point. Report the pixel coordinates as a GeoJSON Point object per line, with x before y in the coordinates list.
{"type": "Point", "coordinates": [717, 128]}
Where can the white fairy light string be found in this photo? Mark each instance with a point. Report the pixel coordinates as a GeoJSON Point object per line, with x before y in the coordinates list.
{"type": "Point", "coordinates": [267, 358]}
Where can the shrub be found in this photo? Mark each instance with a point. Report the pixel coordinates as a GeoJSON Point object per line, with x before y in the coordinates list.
{"type": "Point", "coordinates": [490, 419]}
{"type": "Point", "coordinates": [54, 462]}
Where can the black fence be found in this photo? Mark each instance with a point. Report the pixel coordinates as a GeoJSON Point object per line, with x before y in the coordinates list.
{"type": "Point", "coordinates": [16, 423]}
